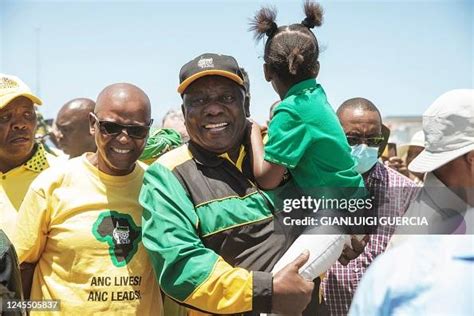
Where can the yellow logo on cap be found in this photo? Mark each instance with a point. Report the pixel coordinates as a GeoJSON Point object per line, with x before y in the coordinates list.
{"type": "Point", "coordinates": [7, 83]}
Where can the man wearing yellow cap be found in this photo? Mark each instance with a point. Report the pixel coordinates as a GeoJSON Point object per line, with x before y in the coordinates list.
{"type": "Point", "coordinates": [21, 159]}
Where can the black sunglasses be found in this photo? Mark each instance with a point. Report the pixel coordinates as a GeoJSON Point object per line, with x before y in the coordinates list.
{"type": "Point", "coordinates": [370, 141]}
{"type": "Point", "coordinates": [114, 129]}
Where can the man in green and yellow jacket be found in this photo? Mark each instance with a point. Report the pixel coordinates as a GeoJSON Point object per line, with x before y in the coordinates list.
{"type": "Point", "coordinates": [208, 229]}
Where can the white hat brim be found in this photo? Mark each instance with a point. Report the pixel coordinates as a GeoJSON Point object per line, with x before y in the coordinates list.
{"type": "Point", "coordinates": [428, 161]}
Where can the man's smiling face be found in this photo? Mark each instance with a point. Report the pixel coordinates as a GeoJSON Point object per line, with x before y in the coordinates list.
{"type": "Point", "coordinates": [123, 104]}
{"type": "Point", "coordinates": [214, 113]}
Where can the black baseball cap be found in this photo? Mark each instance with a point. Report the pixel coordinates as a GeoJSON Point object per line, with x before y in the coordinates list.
{"type": "Point", "coordinates": [209, 64]}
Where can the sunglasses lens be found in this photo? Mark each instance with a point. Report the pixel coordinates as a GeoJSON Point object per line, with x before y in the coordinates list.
{"type": "Point", "coordinates": [137, 131]}
{"type": "Point", "coordinates": [111, 128]}
{"type": "Point", "coordinates": [371, 141]}
{"type": "Point", "coordinates": [353, 140]}
{"type": "Point", "coordinates": [132, 131]}
{"type": "Point", "coordinates": [374, 141]}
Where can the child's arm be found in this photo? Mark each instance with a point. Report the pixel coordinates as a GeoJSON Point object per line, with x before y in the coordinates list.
{"type": "Point", "coordinates": [268, 175]}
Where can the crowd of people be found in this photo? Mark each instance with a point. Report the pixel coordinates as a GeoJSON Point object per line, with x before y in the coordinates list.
{"type": "Point", "coordinates": [107, 212]}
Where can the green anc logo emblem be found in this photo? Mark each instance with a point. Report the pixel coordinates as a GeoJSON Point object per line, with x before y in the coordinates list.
{"type": "Point", "coordinates": [120, 233]}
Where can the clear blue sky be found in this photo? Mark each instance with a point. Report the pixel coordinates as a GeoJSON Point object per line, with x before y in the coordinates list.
{"type": "Point", "coordinates": [399, 54]}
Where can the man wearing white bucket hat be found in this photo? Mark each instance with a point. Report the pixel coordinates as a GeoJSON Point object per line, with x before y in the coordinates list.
{"type": "Point", "coordinates": [420, 271]}
{"type": "Point", "coordinates": [447, 198]}
{"type": "Point", "coordinates": [449, 128]}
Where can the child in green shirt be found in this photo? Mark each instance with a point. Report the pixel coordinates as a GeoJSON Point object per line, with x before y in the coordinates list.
{"type": "Point", "coordinates": [304, 135]}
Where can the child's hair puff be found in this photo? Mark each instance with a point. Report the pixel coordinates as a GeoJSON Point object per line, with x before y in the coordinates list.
{"type": "Point", "coordinates": [292, 51]}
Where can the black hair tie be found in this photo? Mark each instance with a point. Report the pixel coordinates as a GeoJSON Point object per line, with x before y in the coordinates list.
{"type": "Point", "coordinates": [273, 29]}
{"type": "Point", "coordinates": [308, 23]}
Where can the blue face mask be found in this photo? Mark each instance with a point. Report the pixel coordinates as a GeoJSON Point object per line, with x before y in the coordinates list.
{"type": "Point", "coordinates": [365, 157]}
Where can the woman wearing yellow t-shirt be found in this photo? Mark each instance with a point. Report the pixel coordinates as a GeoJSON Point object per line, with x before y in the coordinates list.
{"type": "Point", "coordinates": [80, 223]}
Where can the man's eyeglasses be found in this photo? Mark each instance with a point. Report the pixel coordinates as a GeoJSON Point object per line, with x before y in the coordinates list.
{"type": "Point", "coordinates": [114, 129]}
{"type": "Point", "coordinates": [370, 141]}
